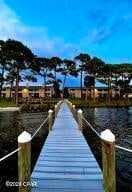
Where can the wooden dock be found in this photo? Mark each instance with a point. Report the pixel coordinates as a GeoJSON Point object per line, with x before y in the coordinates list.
{"type": "Point", "coordinates": [66, 163]}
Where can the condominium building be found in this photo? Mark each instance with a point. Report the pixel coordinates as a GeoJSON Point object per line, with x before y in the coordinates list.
{"type": "Point", "coordinates": [75, 92]}
{"type": "Point", "coordinates": [29, 91]}
{"type": "Point", "coordinates": [100, 92]}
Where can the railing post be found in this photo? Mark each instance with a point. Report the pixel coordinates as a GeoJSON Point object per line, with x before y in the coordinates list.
{"type": "Point", "coordinates": [24, 161]}
{"type": "Point", "coordinates": [56, 109]}
{"type": "Point", "coordinates": [80, 119]}
{"type": "Point", "coordinates": [59, 104]}
{"type": "Point", "coordinates": [70, 106]}
{"type": "Point", "coordinates": [73, 110]}
{"type": "Point", "coordinates": [108, 160]}
{"type": "Point", "coordinates": [50, 119]}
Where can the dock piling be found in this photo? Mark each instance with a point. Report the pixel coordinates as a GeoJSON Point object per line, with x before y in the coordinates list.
{"type": "Point", "coordinates": [24, 161]}
{"type": "Point", "coordinates": [50, 119]}
{"type": "Point", "coordinates": [80, 119]}
{"type": "Point", "coordinates": [108, 160]}
{"type": "Point", "coordinates": [73, 110]}
{"type": "Point", "coordinates": [56, 110]}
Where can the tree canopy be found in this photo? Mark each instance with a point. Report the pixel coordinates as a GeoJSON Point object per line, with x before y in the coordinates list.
{"type": "Point", "coordinates": [18, 62]}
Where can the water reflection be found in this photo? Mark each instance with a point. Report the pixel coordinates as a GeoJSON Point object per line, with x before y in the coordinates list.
{"type": "Point", "coordinates": [119, 121]}
{"type": "Point", "coordinates": [11, 125]}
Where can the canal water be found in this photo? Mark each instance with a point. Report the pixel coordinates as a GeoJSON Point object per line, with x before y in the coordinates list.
{"type": "Point", "coordinates": [11, 125]}
{"type": "Point", "coordinates": [119, 121]}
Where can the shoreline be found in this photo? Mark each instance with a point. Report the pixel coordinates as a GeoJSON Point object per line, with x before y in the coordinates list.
{"type": "Point", "coordinates": [8, 109]}
{"type": "Point", "coordinates": [101, 103]}
{"type": "Point", "coordinates": [102, 106]}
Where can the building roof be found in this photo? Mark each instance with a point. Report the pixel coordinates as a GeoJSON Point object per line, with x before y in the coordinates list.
{"type": "Point", "coordinates": [31, 87]}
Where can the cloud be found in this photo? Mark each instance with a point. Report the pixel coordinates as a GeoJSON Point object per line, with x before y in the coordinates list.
{"type": "Point", "coordinates": [106, 20]}
{"type": "Point", "coordinates": [98, 16]}
{"type": "Point", "coordinates": [81, 28]}
{"type": "Point", "coordinates": [103, 33]}
{"type": "Point", "coordinates": [96, 36]}
{"type": "Point", "coordinates": [37, 38]}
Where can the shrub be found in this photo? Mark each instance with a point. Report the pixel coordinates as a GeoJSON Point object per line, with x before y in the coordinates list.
{"type": "Point", "coordinates": [25, 107]}
{"type": "Point", "coordinates": [43, 107]}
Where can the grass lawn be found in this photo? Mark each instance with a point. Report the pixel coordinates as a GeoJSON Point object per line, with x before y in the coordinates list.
{"type": "Point", "coordinates": [102, 102]}
{"type": "Point", "coordinates": [7, 103]}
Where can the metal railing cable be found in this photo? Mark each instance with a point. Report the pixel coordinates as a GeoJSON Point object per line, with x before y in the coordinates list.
{"type": "Point", "coordinates": [123, 148]}
{"type": "Point", "coordinates": [91, 127]}
{"type": "Point", "coordinates": [18, 149]}
{"type": "Point", "coordinates": [10, 154]}
{"type": "Point", "coordinates": [117, 146]}
{"type": "Point", "coordinates": [85, 122]}
{"type": "Point", "coordinates": [40, 127]}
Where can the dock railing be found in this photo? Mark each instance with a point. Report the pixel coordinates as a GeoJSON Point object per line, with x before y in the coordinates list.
{"type": "Point", "coordinates": [108, 149]}
{"type": "Point", "coordinates": [24, 152]}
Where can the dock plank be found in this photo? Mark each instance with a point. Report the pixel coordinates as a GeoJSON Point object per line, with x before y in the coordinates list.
{"type": "Point", "coordinates": [68, 184]}
{"type": "Point", "coordinates": [66, 163]}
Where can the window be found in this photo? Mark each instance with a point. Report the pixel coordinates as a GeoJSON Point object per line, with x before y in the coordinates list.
{"type": "Point", "coordinates": [3, 95]}
{"type": "Point", "coordinates": [20, 95]}
{"type": "Point", "coordinates": [36, 95]}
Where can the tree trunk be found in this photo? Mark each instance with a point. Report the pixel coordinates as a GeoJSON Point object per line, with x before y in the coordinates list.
{"type": "Point", "coordinates": [55, 74]}
{"type": "Point", "coordinates": [55, 80]}
{"type": "Point", "coordinates": [10, 91]}
{"type": "Point", "coordinates": [123, 87]}
{"type": "Point", "coordinates": [90, 92]}
{"type": "Point", "coordinates": [81, 85]}
{"type": "Point", "coordinates": [17, 86]}
{"type": "Point", "coordinates": [109, 89]}
{"type": "Point", "coordinates": [63, 87]}
{"type": "Point", "coordinates": [94, 90]}
{"type": "Point", "coordinates": [2, 78]}
{"type": "Point", "coordinates": [116, 80]}
{"type": "Point", "coordinates": [86, 93]}
{"type": "Point", "coordinates": [44, 85]}
{"type": "Point", "coordinates": [11, 88]}
{"type": "Point", "coordinates": [127, 91]}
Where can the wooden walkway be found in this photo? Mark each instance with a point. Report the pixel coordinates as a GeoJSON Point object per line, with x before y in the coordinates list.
{"type": "Point", "coordinates": [66, 163]}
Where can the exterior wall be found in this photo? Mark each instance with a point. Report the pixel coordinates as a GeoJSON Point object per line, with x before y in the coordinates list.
{"type": "Point", "coordinates": [25, 93]}
{"type": "Point", "coordinates": [75, 92]}
{"type": "Point", "coordinates": [87, 93]}
{"type": "Point", "coordinates": [41, 92]}
{"type": "Point", "coordinates": [7, 92]}
{"type": "Point", "coordinates": [95, 92]}
{"type": "Point", "coordinates": [49, 91]}
{"type": "Point", "coordinates": [31, 92]}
